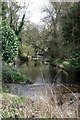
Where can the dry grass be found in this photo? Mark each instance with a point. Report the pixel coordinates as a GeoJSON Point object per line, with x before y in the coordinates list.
{"type": "Point", "coordinates": [22, 107]}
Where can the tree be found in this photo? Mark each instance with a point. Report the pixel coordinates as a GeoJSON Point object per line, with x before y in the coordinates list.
{"type": "Point", "coordinates": [4, 10]}
{"type": "Point", "coordinates": [33, 37]}
{"type": "Point", "coordinates": [71, 37]}
{"type": "Point", "coordinates": [9, 43]}
{"type": "Point", "coordinates": [53, 36]}
{"type": "Point", "coordinates": [71, 34]}
{"type": "Point", "coordinates": [11, 13]}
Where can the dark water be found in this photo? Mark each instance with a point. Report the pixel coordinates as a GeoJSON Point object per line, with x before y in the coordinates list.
{"type": "Point", "coordinates": [38, 73]}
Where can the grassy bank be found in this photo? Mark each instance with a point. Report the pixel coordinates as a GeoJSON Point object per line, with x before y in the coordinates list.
{"type": "Point", "coordinates": [16, 106]}
{"type": "Point", "coordinates": [10, 75]}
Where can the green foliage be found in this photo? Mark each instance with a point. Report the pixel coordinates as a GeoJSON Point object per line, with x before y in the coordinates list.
{"type": "Point", "coordinates": [4, 10]}
{"type": "Point", "coordinates": [9, 44]}
{"type": "Point", "coordinates": [12, 75]}
{"type": "Point", "coordinates": [75, 59]}
{"type": "Point", "coordinates": [63, 64]}
{"type": "Point", "coordinates": [71, 24]}
{"type": "Point", "coordinates": [27, 49]}
{"type": "Point", "coordinates": [71, 34]}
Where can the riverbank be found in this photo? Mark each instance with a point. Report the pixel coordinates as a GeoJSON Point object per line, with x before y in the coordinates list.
{"type": "Point", "coordinates": [16, 106]}
{"type": "Point", "coordinates": [45, 105]}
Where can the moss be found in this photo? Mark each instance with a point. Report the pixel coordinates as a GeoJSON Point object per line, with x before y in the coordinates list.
{"type": "Point", "coordinates": [66, 65]}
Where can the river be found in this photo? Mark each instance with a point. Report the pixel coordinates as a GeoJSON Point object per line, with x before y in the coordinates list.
{"type": "Point", "coordinates": [38, 73]}
{"type": "Point", "coordinates": [42, 86]}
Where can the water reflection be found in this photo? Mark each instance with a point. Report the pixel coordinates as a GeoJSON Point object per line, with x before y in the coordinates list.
{"type": "Point", "coordinates": [40, 72]}
{"type": "Point", "coordinates": [33, 70]}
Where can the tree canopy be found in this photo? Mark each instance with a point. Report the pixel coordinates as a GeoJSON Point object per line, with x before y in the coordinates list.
{"type": "Point", "coordinates": [71, 33]}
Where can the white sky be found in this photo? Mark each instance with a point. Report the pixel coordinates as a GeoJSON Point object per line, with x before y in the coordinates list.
{"type": "Point", "coordinates": [34, 10]}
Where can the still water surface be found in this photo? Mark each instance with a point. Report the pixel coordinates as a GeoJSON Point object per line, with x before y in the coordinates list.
{"type": "Point", "coordinates": [39, 73]}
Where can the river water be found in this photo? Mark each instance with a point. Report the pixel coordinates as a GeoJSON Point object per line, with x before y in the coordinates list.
{"type": "Point", "coordinates": [39, 73]}
{"type": "Point", "coordinates": [42, 81]}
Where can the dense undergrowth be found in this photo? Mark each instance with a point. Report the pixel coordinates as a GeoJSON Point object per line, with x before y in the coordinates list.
{"type": "Point", "coordinates": [10, 75]}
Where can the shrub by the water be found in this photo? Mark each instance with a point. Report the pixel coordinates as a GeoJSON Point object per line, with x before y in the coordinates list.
{"type": "Point", "coordinates": [10, 75]}
{"type": "Point", "coordinates": [9, 43]}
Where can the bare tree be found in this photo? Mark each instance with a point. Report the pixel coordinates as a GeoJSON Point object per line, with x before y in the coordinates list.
{"type": "Point", "coordinates": [53, 19]}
